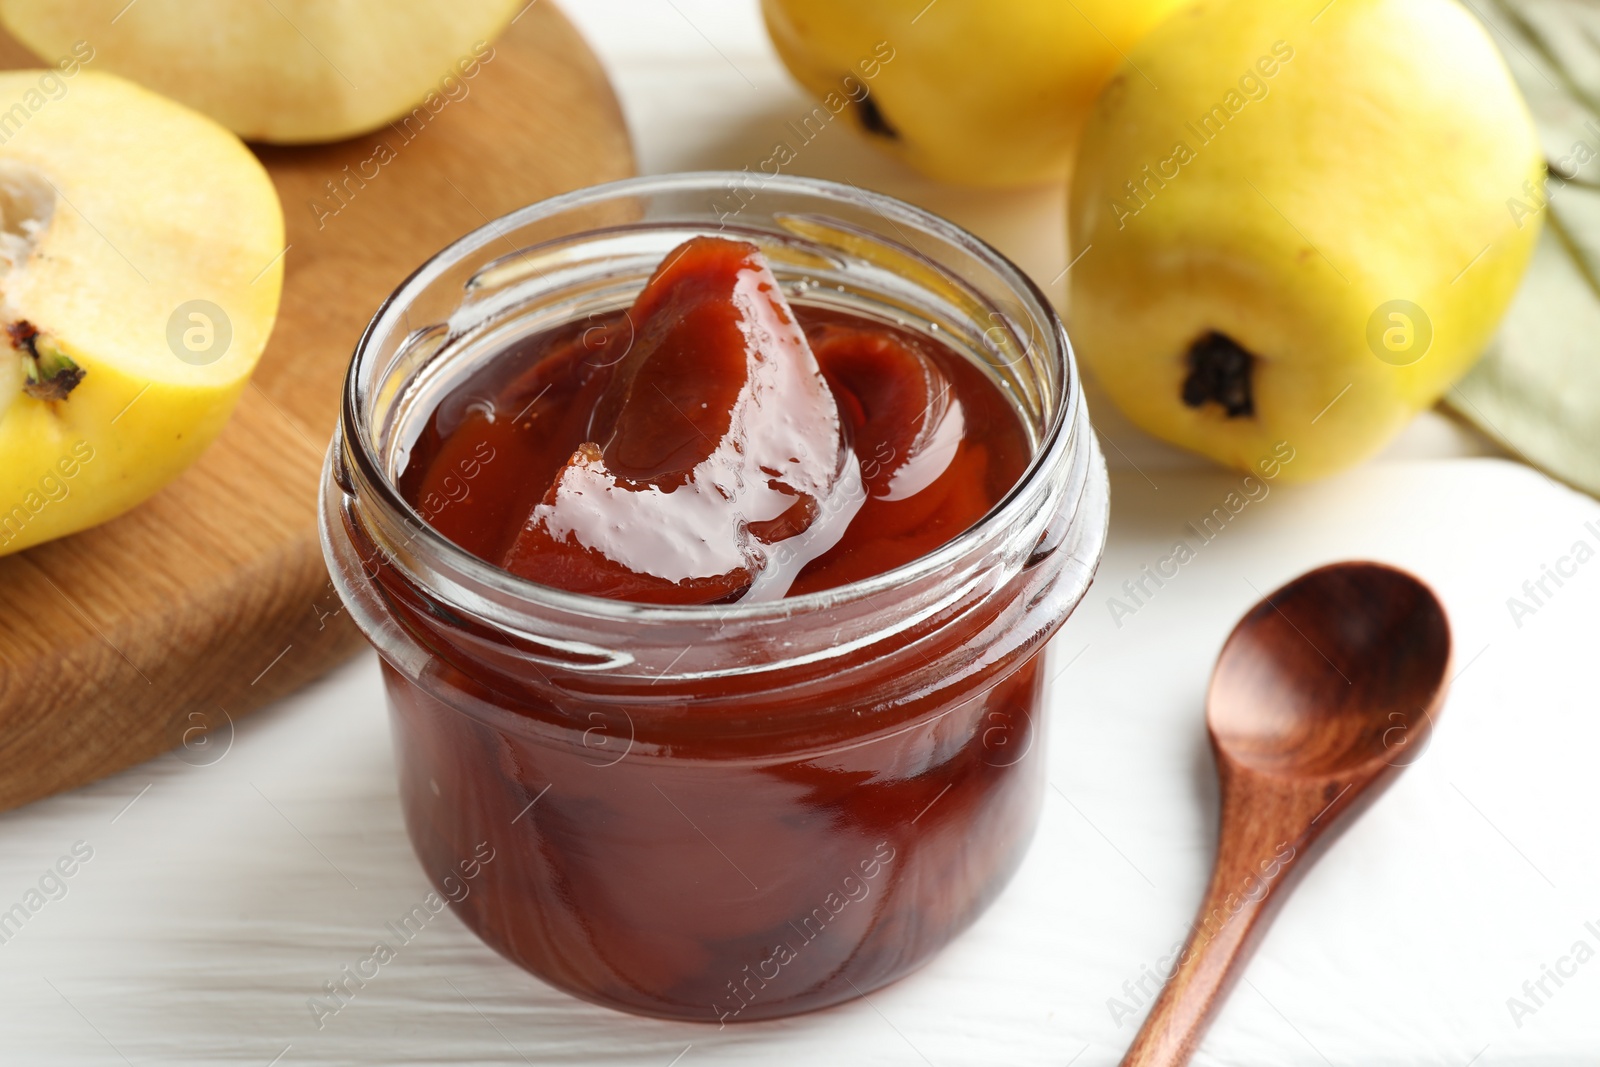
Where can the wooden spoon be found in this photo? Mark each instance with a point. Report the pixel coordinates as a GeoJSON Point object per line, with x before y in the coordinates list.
{"type": "Point", "coordinates": [1324, 690]}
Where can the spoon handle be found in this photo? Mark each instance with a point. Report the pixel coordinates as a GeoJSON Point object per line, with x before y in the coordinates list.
{"type": "Point", "coordinates": [1259, 843]}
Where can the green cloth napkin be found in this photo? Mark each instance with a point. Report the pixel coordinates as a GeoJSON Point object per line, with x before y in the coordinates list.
{"type": "Point", "coordinates": [1537, 389]}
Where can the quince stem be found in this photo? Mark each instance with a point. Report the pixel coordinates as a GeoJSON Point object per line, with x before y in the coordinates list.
{"type": "Point", "coordinates": [50, 374]}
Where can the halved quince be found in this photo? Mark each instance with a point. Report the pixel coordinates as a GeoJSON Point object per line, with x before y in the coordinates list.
{"type": "Point", "coordinates": [285, 71]}
{"type": "Point", "coordinates": [140, 268]}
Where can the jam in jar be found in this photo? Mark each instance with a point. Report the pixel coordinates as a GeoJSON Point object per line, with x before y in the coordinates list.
{"type": "Point", "coordinates": [712, 569]}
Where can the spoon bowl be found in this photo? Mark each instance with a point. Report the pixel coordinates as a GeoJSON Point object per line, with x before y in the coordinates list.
{"type": "Point", "coordinates": [1333, 672]}
{"type": "Point", "coordinates": [1324, 691]}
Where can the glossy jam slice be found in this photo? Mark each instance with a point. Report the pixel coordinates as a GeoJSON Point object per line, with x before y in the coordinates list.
{"type": "Point", "coordinates": [714, 438]}
{"type": "Point", "coordinates": [713, 443]}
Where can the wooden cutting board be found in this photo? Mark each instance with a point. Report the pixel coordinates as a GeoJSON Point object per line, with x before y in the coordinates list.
{"type": "Point", "coordinates": [161, 628]}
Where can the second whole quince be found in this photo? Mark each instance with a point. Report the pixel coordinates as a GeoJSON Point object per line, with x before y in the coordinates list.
{"type": "Point", "coordinates": [989, 94]}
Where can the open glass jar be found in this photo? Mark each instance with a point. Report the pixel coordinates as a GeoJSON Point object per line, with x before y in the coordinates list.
{"type": "Point", "coordinates": [722, 812]}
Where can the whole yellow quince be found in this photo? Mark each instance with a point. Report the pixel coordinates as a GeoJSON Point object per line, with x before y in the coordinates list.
{"type": "Point", "coordinates": [992, 93]}
{"type": "Point", "coordinates": [1297, 223]}
{"type": "Point", "coordinates": [141, 260]}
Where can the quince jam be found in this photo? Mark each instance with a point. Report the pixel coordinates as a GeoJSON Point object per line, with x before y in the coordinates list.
{"type": "Point", "coordinates": [722, 814]}
{"type": "Point", "coordinates": [713, 444]}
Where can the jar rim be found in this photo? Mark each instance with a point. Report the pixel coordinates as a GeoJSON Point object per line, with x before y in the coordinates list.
{"type": "Point", "coordinates": [1057, 441]}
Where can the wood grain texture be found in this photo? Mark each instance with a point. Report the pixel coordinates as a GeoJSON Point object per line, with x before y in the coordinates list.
{"type": "Point", "coordinates": [1324, 690]}
{"type": "Point", "coordinates": [211, 598]}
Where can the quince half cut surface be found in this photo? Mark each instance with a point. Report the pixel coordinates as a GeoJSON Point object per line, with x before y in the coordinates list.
{"type": "Point", "coordinates": [284, 71]}
{"type": "Point", "coordinates": [140, 268]}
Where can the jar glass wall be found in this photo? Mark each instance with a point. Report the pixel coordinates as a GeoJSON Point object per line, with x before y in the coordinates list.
{"type": "Point", "coordinates": [735, 811]}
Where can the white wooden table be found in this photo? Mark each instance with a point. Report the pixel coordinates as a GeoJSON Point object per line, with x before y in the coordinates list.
{"type": "Point", "coordinates": [220, 897]}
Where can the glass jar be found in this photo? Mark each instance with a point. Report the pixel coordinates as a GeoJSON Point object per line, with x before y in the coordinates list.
{"type": "Point", "coordinates": [725, 812]}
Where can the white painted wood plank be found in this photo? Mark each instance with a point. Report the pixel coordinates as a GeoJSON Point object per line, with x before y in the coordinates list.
{"type": "Point", "coordinates": [224, 897]}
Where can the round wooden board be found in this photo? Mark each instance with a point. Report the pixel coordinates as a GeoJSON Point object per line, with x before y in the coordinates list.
{"type": "Point", "coordinates": [162, 627]}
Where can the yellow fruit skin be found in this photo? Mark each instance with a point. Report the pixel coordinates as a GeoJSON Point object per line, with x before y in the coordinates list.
{"type": "Point", "coordinates": [989, 94]}
{"type": "Point", "coordinates": [157, 206]}
{"type": "Point", "coordinates": [67, 471]}
{"type": "Point", "coordinates": [284, 71]}
{"type": "Point", "coordinates": [1378, 166]}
